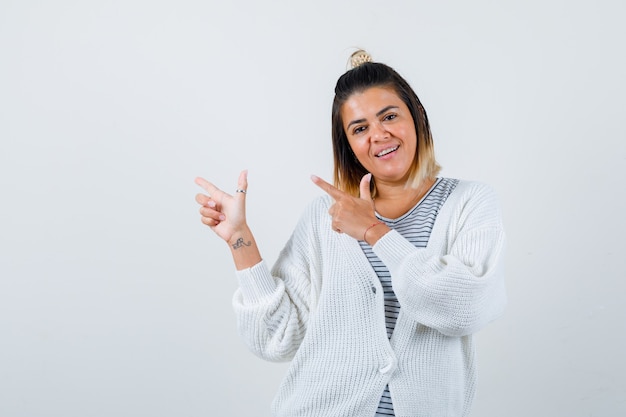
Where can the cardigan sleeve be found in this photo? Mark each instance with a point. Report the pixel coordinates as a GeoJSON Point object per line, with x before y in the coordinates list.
{"type": "Point", "coordinates": [272, 306]}
{"type": "Point", "coordinates": [456, 283]}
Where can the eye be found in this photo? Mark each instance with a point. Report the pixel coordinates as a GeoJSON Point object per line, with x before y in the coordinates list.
{"type": "Point", "coordinates": [358, 130]}
{"type": "Point", "coordinates": [389, 116]}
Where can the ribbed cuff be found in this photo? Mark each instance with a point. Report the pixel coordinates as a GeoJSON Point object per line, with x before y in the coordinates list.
{"type": "Point", "coordinates": [392, 248]}
{"type": "Point", "coordinates": [256, 283]}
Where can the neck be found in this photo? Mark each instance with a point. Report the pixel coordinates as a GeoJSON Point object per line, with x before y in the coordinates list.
{"type": "Point", "coordinates": [394, 200]}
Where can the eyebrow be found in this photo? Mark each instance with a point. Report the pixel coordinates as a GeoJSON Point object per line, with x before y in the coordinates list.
{"type": "Point", "coordinates": [377, 115]}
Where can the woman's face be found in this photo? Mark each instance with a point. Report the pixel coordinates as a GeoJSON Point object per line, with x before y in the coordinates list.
{"type": "Point", "coordinates": [381, 133]}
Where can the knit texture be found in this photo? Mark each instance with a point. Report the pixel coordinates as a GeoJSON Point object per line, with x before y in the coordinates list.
{"type": "Point", "coordinates": [321, 306]}
{"type": "Point", "coordinates": [415, 226]}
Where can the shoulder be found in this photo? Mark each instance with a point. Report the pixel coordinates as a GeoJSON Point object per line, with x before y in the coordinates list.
{"type": "Point", "coordinates": [315, 213]}
{"type": "Point", "coordinates": [317, 207]}
{"type": "Point", "coordinates": [472, 190]}
{"type": "Point", "coordinates": [471, 186]}
{"type": "Point", "coordinates": [474, 200]}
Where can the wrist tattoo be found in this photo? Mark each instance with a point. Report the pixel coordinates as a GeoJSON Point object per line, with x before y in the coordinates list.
{"type": "Point", "coordinates": [240, 243]}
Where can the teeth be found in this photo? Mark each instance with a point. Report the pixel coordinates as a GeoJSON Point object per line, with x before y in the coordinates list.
{"type": "Point", "coordinates": [386, 151]}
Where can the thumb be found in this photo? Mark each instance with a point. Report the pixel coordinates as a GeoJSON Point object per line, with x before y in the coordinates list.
{"type": "Point", "coordinates": [242, 184]}
{"type": "Point", "coordinates": [364, 187]}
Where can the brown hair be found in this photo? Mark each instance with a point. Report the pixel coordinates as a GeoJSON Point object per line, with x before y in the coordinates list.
{"type": "Point", "coordinates": [348, 171]}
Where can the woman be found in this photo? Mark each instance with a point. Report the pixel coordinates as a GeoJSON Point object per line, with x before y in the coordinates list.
{"type": "Point", "coordinates": [376, 295]}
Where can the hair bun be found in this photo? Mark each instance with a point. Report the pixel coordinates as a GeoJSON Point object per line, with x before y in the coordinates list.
{"type": "Point", "coordinates": [359, 57]}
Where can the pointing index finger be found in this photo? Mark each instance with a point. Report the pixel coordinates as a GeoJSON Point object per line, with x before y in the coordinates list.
{"type": "Point", "coordinates": [208, 187]}
{"type": "Point", "coordinates": [329, 189]}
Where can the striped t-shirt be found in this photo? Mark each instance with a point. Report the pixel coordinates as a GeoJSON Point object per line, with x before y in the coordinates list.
{"type": "Point", "coordinates": [416, 226]}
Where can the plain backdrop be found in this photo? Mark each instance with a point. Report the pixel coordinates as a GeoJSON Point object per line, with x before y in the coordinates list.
{"type": "Point", "coordinates": [116, 301]}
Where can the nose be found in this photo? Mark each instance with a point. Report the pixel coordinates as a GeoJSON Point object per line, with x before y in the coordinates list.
{"type": "Point", "coordinates": [378, 131]}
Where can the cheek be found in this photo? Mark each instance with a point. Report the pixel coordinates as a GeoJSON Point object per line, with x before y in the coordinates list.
{"type": "Point", "coordinates": [410, 139]}
{"type": "Point", "coordinates": [356, 146]}
{"type": "Point", "coordinates": [361, 151]}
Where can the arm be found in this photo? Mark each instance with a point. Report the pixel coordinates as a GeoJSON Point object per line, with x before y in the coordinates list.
{"type": "Point", "coordinates": [272, 306]}
{"type": "Point", "coordinates": [460, 289]}
{"type": "Point", "coordinates": [271, 309]}
{"type": "Point", "coordinates": [456, 292]}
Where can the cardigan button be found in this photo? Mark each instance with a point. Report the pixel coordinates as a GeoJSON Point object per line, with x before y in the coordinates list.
{"type": "Point", "coordinates": [390, 367]}
{"type": "Point", "coordinates": [373, 289]}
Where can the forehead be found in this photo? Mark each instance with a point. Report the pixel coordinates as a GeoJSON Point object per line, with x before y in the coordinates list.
{"type": "Point", "coordinates": [368, 102]}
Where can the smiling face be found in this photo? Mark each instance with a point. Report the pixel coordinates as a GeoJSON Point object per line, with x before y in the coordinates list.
{"type": "Point", "coordinates": [381, 133]}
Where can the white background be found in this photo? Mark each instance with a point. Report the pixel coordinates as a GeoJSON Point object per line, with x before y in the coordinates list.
{"type": "Point", "coordinates": [116, 301]}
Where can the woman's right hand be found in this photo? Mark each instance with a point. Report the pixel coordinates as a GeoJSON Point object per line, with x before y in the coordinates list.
{"type": "Point", "coordinates": [225, 214]}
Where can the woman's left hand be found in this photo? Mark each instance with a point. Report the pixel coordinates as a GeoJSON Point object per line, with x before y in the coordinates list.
{"type": "Point", "coordinates": [352, 216]}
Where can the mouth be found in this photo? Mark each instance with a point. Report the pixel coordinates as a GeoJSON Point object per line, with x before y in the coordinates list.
{"type": "Point", "coordinates": [387, 151]}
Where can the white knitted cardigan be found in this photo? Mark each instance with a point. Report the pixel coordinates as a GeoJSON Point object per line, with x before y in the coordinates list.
{"type": "Point", "coordinates": [322, 307]}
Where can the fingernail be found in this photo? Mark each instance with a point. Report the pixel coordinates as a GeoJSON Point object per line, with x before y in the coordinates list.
{"type": "Point", "coordinates": [222, 217]}
{"type": "Point", "coordinates": [211, 204]}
